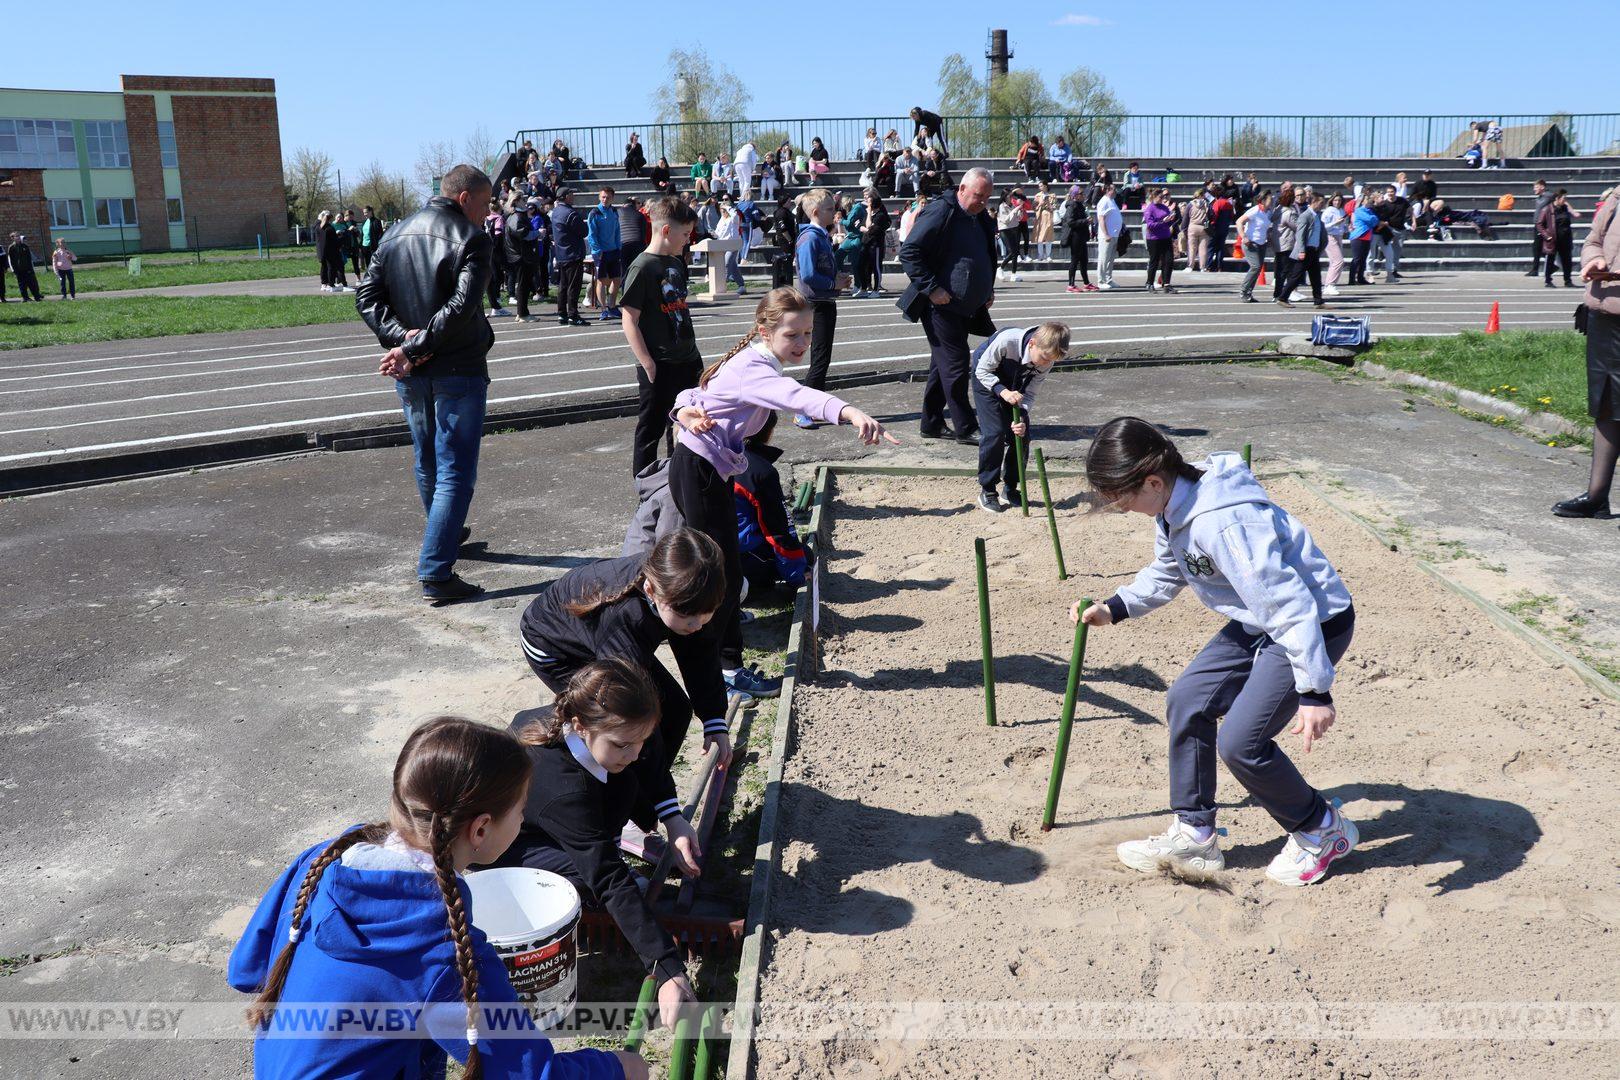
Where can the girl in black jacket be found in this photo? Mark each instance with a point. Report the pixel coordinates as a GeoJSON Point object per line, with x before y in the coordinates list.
{"type": "Point", "coordinates": [597, 765]}
{"type": "Point", "coordinates": [629, 606]}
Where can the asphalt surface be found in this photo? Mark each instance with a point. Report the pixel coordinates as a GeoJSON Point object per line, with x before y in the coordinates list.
{"type": "Point", "coordinates": [84, 400]}
{"type": "Point", "coordinates": [206, 672]}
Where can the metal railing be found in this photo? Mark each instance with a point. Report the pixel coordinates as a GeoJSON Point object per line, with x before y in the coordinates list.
{"type": "Point", "coordinates": [1165, 138]}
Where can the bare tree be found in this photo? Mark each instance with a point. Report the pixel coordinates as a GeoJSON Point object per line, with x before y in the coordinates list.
{"type": "Point", "coordinates": [308, 177]}
{"type": "Point", "coordinates": [390, 195]}
{"type": "Point", "coordinates": [433, 160]}
{"type": "Point", "coordinates": [480, 146]}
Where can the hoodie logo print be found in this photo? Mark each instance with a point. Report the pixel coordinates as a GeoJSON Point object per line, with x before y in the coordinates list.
{"type": "Point", "coordinates": [1199, 565]}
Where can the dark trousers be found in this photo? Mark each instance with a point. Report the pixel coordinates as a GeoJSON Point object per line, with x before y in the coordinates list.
{"type": "Point", "coordinates": [824, 323]}
{"type": "Point", "coordinates": [1535, 255]}
{"type": "Point", "coordinates": [1280, 271]}
{"type": "Point", "coordinates": [570, 276]}
{"type": "Point", "coordinates": [949, 371]}
{"type": "Point", "coordinates": [334, 267]}
{"type": "Point", "coordinates": [1563, 251]}
{"type": "Point", "coordinates": [65, 279]}
{"type": "Point", "coordinates": [1358, 260]}
{"type": "Point", "coordinates": [500, 276]}
{"type": "Point", "coordinates": [1009, 247]}
{"type": "Point", "coordinates": [1079, 257]}
{"type": "Point", "coordinates": [1161, 260]}
{"type": "Point", "coordinates": [674, 707]}
{"type": "Point", "coordinates": [365, 257]}
{"type": "Point", "coordinates": [1245, 678]}
{"type": "Point", "coordinates": [707, 504]}
{"type": "Point", "coordinates": [1217, 247]}
{"type": "Point", "coordinates": [525, 287]}
{"type": "Point", "coordinates": [27, 283]}
{"type": "Point", "coordinates": [655, 399]}
{"type": "Point", "coordinates": [1300, 269]}
{"type": "Point", "coordinates": [354, 259]}
{"type": "Point", "coordinates": [998, 453]}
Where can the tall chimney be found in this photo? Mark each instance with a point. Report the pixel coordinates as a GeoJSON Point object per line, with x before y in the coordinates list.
{"type": "Point", "coordinates": [998, 53]}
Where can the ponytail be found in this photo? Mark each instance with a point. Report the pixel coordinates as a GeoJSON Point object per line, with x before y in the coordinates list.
{"type": "Point", "coordinates": [685, 567]}
{"type": "Point", "coordinates": [611, 693]}
{"type": "Point", "coordinates": [1128, 450]}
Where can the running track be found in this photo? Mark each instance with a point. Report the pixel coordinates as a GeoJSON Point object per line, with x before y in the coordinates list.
{"type": "Point", "coordinates": [75, 401]}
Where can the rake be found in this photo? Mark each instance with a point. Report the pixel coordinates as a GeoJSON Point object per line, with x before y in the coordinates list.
{"type": "Point", "coordinates": [700, 929]}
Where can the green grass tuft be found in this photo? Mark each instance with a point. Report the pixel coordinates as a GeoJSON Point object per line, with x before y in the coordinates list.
{"type": "Point", "coordinates": [1543, 371]}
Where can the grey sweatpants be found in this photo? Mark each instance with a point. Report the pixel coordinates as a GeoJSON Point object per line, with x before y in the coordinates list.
{"type": "Point", "coordinates": [1247, 679]}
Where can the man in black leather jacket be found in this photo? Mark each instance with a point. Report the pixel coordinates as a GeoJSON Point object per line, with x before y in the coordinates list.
{"type": "Point", "coordinates": [424, 299]}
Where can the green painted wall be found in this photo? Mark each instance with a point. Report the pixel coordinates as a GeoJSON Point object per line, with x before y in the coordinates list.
{"type": "Point", "coordinates": [61, 105]}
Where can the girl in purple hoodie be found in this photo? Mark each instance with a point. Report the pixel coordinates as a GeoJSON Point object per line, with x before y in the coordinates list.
{"type": "Point", "coordinates": [730, 403]}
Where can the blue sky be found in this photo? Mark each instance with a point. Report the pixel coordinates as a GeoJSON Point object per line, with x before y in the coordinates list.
{"type": "Point", "coordinates": [380, 79]}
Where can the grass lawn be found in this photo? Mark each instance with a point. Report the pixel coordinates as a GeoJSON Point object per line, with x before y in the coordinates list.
{"type": "Point", "coordinates": [1544, 371]}
{"type": "Point", "coordinates": [100, 277]}
{"type": "Point", "coordinates": [56, 322]}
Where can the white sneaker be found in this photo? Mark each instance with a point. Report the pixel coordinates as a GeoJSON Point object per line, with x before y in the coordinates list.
{"type": "Point", "coordinates": [499, 313]}
{"type": "Point", "coordinates": [1105, 285]}
{"type": "Point", "coordinates": [1018, 277]}
{"type": "Point", "coordinates": [1175, 850]}
{"type": "Point", "coordinates": [1330, 290]}
{"type": "Point", "coordinates": [1301, 862]}
{"type": "Point", "coordinates": [326, 288]}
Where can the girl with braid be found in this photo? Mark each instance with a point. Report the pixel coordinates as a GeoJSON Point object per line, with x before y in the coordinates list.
{"type": "Point", "coordinates": [381, 914]}
{"type": "Point", "coordinates": [730, 402]}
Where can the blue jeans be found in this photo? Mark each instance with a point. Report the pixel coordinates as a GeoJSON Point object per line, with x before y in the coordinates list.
{"type": "Point", "coordinates": [446, 417]}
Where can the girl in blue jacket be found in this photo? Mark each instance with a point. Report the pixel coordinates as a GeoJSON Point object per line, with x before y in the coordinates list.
{"type": "Point", "coordinates": [1290, 621]}
{"type": "Point", "coordinates": [381, 915]}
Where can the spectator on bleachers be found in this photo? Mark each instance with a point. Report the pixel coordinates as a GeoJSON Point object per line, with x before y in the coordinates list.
{"type": "Point", "coordinates": [1031, 158]}
{"type": "Point", "coordinates": [1335, 222]}
{"type": "Point", "coordinates": [1101, 178]}
{"type": "Point", "coordinates": [551, 169]}
{"type": "Point", "coordinates": [1423, 193]}
{"type": "Point", "coordinates": [905, 173]}
{"type": "Point", "coordinates": [1492, 141]}
{"type": "Point", "coordinates": [635, 158]}
{"type": "Point", "coordinates": [730, 227]}
{"type": "Point", "coordinates": [883, 177]}
{"type": "Point", "coordinates": [1059, 159]}
{"type": "Point", "coordinates": [659, 175]}
{"type": "Point", "coordinates": [724, 180]}
{"type": "Point", "coordinates": [565, 157]}
{"type": "Point", "coordinates": [925, 141]}
{"type": "Point", "coordinates": [1072, 223]}
{"type": "Point", "coordinates": [932, 124]}
{"type": "Point", "coordinates": [931, 173]}
{"type": "Point", "coordinates": [892, 143]}
{"type": "Point", "coordinates": [635, 230]}
{"type": "Point", "coordinates": [785, 162]}
{"type": "Point", "coordinates": [1198, 250]}
{"type": "Point", "coordinates": [1555, 228]}
{"type": "Point", "coordinates": [708, 217]}
{"type": "Point", "coordinates": [871, 147]}
{"type": "Point", "coordinates": [1042, 230]}
{"type": "Point", "coordinates": [1130, 190]}
{"type": "Point", "coordinates": [746, 159]}
{"type": "Point", "coordinates": [909, 218]}
{"type": "Point", "coordinates": [818, 157]}
{"type": "Point", "coordinates": [702, 172]}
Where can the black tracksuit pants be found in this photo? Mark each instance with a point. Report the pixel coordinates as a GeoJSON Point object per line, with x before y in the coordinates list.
{"type": "Point", "coordinates": [707, 504]}
{"type": "Point", "coordinates": [655, 398]}
{"type": "Point", "coordinates": [998, 452]}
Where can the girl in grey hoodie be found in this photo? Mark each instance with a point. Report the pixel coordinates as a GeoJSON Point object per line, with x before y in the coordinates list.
{"type": "Point", "coordinates": [1290, 621]}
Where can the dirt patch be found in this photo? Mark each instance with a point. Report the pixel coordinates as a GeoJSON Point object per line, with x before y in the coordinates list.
{"type": "Point", "coordinates": [913, 868]}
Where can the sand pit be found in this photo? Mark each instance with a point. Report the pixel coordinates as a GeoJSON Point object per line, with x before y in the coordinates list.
{"type": "Point", "coordinates": [913, 868]}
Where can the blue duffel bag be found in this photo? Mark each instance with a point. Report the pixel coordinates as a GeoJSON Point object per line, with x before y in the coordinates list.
{"type": "Point", "coordinates": [1347, 330]}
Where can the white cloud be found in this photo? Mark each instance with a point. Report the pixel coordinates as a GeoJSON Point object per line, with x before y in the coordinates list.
{"type": "Point", "coordinates": [1074, 19]}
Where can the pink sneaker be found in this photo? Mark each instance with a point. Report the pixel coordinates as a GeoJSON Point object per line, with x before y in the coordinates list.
{"type": "Point", "coordinates": [1073, 289]}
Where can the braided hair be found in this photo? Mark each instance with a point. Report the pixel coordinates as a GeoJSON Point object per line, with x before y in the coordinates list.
{"type": "Point", "coordinates": [773, 307]}
{"type": "Point", "coordinates": [1128, 450]}
{"type": "Point", "coordinates": [608, 694]}
{"type": "Point", "coordinates": [449, 773]}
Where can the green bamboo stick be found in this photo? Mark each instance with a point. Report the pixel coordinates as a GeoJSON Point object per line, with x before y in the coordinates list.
{"type": "Point", "coordinates": [708, 1036]}
{"type": "Point", "coordinates": [984, 634]}
{"type": "Point", "coordinates": [1060, 756]}
{"type": "Point", "coordinates": [1248, 455]}
{"type": "Point", "coordinates": [801, 499]}
{"type": "Point", "coordinates": [1023, 476]}
{"type": "Point", "coordinates": [1051, 514]}
{"type": "Point", "coordinates": [637, 1031]}
{"type": "Point", "coordinates": [680, 1055]}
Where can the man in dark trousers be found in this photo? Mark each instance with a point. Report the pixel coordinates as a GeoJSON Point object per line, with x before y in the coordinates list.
{"type": "Point", "coordinates": [521, 248]}
{"type": "Point", "coordinates": [22, 267]}
{"type": "Point", "coordinates": [371, 232]}
{"type": "Point", "coordinates": [568, 237]}
{"type": "Point", "coordinates": [424, 299]}
{"type": "Point", "coordinates": [922, 118]}
{"type": "Point", "coordinates": [1543, 197]}
{"type": "Point", "coordinates": [949, 255]}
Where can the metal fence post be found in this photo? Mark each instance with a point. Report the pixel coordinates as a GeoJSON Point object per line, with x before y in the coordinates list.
{"type": "Point", "coordinates": [1302, 137]}
{"type": "Point", "coordinates": [1372, 138]}
{"type": "Point", "coordinates": [1428, 137]}
{"type": "Point", "coordinates": [1161, 136]}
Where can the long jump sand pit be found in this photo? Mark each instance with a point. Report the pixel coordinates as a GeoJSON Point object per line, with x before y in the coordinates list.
{"type": "Point", "coordinates": [913, 869]}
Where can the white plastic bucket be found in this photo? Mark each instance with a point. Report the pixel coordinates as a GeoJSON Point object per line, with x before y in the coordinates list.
{"type": "Point", "coordinates": [531, 917]}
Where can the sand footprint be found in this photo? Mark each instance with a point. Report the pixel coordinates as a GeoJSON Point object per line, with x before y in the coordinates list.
{"type": "Point", "coordinates": [1405, 921]}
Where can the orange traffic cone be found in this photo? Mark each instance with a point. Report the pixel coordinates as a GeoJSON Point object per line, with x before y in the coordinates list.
{"type": "Point", "coordinates": [1262, 280]}
{"type": "Point", "coordinates": [1237, 248]}
{"type": "Point", "coordinates": [1493, 325]}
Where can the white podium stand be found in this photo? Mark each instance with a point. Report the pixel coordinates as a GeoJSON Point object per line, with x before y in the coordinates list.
{"type": "Point", "coordinates": [716, 249]}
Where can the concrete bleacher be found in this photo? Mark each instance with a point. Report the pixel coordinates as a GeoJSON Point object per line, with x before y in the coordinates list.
{"type": "Point", "coordinates": [1461, 188]}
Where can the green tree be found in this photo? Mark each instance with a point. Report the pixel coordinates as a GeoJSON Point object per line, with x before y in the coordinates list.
{"type": "Point", "coordinates": [1020, 106]}
{"type": "Point", "coordinates": [1251, 140]}
{"type": "Point", "coordinates": [1096, 116]}
{"type": "Point", "coordinates": [962, 101]}
{"type": "Point", "coordinates": [714, 95]}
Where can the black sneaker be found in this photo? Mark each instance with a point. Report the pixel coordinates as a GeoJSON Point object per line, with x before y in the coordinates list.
{"type": "Point", "coordinates": [448, 591]}
{"type": "Point", "coordinates": [562, 320]}
{"type": "Point", "coordinates": [989, 503]}
{"type": "Point", "coordinates": [1009, 497]}
{"type": "Point", "coordinates": [1582, 506]}
{"type": "Point", "coordinates": [1283, 302]}
{"type": "Point", "coordinates": [577, 321]}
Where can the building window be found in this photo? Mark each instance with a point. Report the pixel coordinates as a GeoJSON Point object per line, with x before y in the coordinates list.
{"type": "Point", "coordinates": [67, 214]}
{"type": "Point", "coordinates": [116, 212]}
{"type": "Point", "coordinates": [108, 143]}
{"type": "Point", "coordinates": [37, 144]}
{"type": "Point", "coordinates": [166, 147]}
{"type": "Point", "coordinates": [177, 213]}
